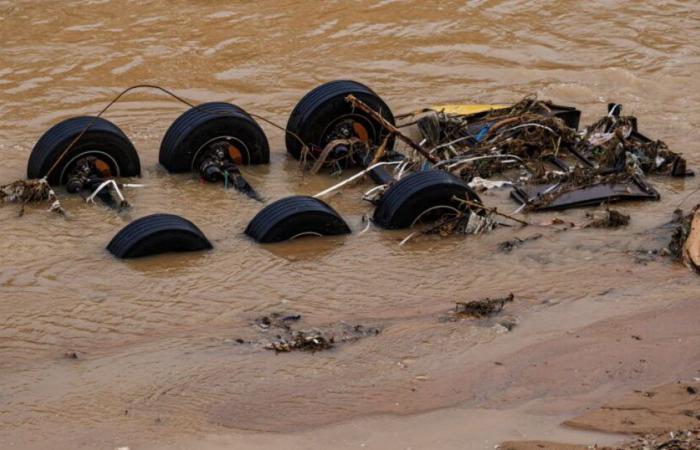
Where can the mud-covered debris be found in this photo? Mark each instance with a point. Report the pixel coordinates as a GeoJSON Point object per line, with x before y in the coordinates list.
{"type": "Point", "coordinates": [481, 308]}
{"type": "Point", "coordinates": [685, 240]}
{"type": "Point", "coordinates": [675, 440]}
{"type": "Point", "coordinates": [509, 246]}
{"type": "Point", "coordinates": [608, 218]}
{"type": "Point", "coordinates": [309, 341]}
{"type": "Point", "coordinates": [288, 338]}
{"type": "Point", "coordinates": [581, 187]}
{"type": "Point", "coordinates": [317, 340]}
{"type": "Point", "coordinates": [30, 191]}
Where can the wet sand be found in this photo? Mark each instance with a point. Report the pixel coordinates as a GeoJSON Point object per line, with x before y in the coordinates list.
{"type": "Point", "coordinates": [158, 364]}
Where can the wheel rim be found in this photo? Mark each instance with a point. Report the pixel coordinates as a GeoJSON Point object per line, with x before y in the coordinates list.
{"type": "Point", "coordinates": [419, 220]}
{"type": "Point", "coordinates": [102, 158]}
{"type": "Point", "coordinates": [304, 234]}
{"type": "Point", "coordinates": [349, 126]}
{"type": "Point", "coordinates": [236, 149]}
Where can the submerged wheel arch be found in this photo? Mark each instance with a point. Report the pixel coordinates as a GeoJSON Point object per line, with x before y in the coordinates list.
{"type": "Point", "coordinates": [155, 234]}
{"type": "Point", "coordinates": [294, 217]}
{"type": "Point", "coordinates": [405, 201]}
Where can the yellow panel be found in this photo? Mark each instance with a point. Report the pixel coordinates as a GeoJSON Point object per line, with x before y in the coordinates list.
{"type": "Point", "coordinates": [465, 110]}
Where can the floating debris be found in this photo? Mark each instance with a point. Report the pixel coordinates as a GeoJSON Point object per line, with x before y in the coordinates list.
{"type": "Point", "coordinates": [30, 191]}
{"type": "Point", "coordinates": [509, 246]}
{"type": "Point", "coordinates": [564, 167]}
{"type": "Point", "coordinates": [609, 218]}
{"type": "Point", "coordinates": [481, 308]}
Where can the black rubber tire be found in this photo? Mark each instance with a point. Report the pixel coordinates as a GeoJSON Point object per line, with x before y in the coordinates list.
{"type": "Point", "coordinates": [406, 199]}
{"type": "Point", "coordinates": [321, 106]}
{"type": "Point", "coordinates": [292, 216]}
{"type": "Point", "coordinates": [155, 234]}
{"type": "Point", "coordinates": [207, 121]}
{"type": "Point", "coordinates": [102, 136]}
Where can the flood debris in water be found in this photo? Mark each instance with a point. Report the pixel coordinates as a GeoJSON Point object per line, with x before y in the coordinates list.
{"type": "Point", "coordinates": [685, 240]}
{"type": "Point", "coordinates": [23, 192]}
{"type": "Point", "coordinates": [474, 219]}
{"type": "Point", "coordinates": [512, 244]}
{"type": "Point", "coordinates": [310, 341]}
{"type": "Point", "coordinates": [608, 218]}
{"type": "Point", "coordinates": [536, 147]}
{"type": "Point", "coordinates": [288, 338]}
{"type": "Point", "coordinates": [277, 320]}
{"type": "Point", "coordinates": [480, 308]}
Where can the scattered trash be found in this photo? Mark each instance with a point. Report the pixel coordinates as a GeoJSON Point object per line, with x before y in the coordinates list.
{"type": "Point", "coordinates": [685, 241]}
{"type": "Point", "coordinates": [481, 308]}
{"type": "Point", "coordinates": [509, 246]}
{"type": "Point", "coordinates": [609, 218]}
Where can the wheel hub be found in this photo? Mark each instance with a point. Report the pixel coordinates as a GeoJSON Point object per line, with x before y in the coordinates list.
{"type": "Point", "coordinates": [86, 172]}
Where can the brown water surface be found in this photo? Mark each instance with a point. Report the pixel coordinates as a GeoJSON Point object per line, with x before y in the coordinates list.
{"type": "Point", "coordinates": [155, 337]}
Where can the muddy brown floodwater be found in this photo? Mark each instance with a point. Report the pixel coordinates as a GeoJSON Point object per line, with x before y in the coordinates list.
{"type": "Point", "coordinates": [158, 364]}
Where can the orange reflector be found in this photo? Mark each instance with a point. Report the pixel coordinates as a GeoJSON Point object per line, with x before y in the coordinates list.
{"type": "Point", "coordinates": [103, 168]}
{"type": "Point", "coordinates": [360, 131]}
{"type": "Point", "coordinates": [235, 154]}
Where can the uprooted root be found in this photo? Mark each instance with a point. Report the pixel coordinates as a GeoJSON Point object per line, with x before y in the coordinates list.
{"type": "Point", "coordinates": [30, 191]}
{"type": "Point", "coordinates": [609, 218]}
{"type": "Point", "coordinates": [481, 308]}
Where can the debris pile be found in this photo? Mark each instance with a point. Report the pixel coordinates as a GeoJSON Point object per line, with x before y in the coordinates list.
{"type": "Point", "coordinates": [481, 308]}
{"type": "Point", "coordinates": [288, 339]}
{"type": "Point", "coordinates": [559, 166]}
{"type": "Point", "coordinates": [564, 167]}
{"type": "Point", "coordinates": [685, 241]}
